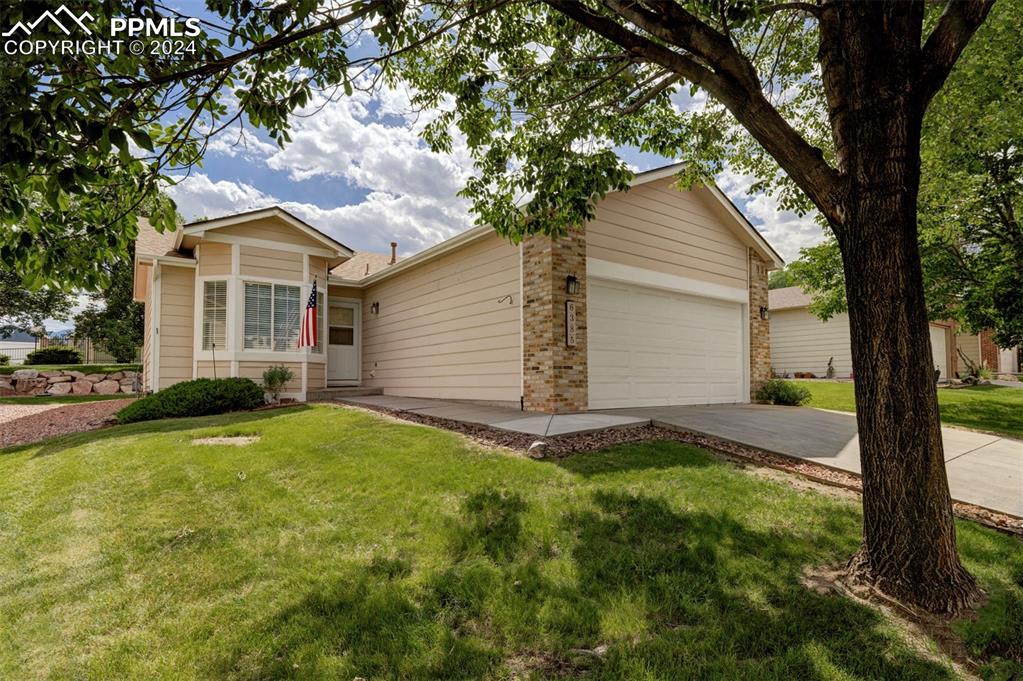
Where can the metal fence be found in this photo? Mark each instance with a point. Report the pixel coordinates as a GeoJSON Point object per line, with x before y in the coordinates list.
{"type": "Point", "coordinates": [18, 351]}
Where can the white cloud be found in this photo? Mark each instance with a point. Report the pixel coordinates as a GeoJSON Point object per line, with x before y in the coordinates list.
{"type": "Point", "coordinates": [786, 231]}
{"type": "Point", "coordinates": [414, 222]}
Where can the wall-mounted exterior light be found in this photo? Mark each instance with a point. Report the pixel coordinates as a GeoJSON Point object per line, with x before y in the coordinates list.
{"type": "Point", "coordinates": [375, 308]}
{"type": "Point", "coordinates": [572, 285]}
{"type": "Point", "coordinates": [764, 313]}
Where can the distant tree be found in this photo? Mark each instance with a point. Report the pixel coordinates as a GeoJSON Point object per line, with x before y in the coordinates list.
{"type": "Point", "coordinates": [112, 319]}
{"type": "Point", "coordinates": [780, 279]}
{"type": "Point", "coordinates": [21, 309]}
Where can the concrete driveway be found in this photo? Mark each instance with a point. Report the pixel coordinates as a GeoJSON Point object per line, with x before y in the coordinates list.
{"type": "Point", "coordinates": [985, 470]}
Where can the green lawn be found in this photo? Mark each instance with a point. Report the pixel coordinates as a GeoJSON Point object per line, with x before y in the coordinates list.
{"type": "Point", "coordinates": [993, 408]}
{"type": "Point", "coordinates": [342, 544]}
{"type": "Point", "coordinates": [84, 368]}
{"type": "Point", "coordinates": [61, 399]}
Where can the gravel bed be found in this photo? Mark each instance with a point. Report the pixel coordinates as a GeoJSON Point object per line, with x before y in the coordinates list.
{"type": "Point", "coordinates": [44, 421]}
{"type": "Point", "coordinates": [566, 445]}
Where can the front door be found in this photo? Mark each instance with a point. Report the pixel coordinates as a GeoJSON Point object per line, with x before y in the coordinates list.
{"type": "Point", "coordinates": [343, 342]}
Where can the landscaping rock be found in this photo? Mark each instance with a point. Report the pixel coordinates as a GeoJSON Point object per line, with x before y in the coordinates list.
{"type": "Point", "coordinates": [6, 389]}
{"type": "Point", "coordinates": [130, 374]}
{"type": "Point", "coordinates": [31, 386]}
{"type": "Point", "coordinates": [81, 387]}
{"type": "Point", "coordinates": [51, 374]}
{"type": "Point", "coordinates": [116, 376]}
{"type": "Point", "coordinates": [59, 389]}
{"type": "Point", "coordinates": [25, 374]}
{"type": "Point", "coordinates": [106, 387]}
{"type": "Point", "coordinates": [59, 379]}
{"type": "Point", "coordinates": [95, 378]}
{"type": "Point", "coordinates": [127, 388]}
{"type": "Point", "coordinates": [77, 375]}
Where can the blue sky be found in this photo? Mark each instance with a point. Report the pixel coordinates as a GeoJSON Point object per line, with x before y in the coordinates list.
{"type": "Point", "coordinates": [357, 170]}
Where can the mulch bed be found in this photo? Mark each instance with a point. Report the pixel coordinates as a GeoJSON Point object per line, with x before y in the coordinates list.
{"type": "Point", "coordinates": [566, 445]}
{"type": "Point", "coordinates": [64, 420]}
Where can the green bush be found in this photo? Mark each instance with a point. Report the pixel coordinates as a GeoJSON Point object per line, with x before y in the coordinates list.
{"type": "Point", "coordinates": [4, 360]}
{"type": "Point", "coordinates": [200, 397]}
{"type": "Point", "coordinates": [275, 378]}
{"type": "Point", "coordinates": [55, 354]}
{"type": "Point", "coordinates": [777, 391]}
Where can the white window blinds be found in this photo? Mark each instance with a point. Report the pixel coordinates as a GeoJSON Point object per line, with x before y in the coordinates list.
{"type": "Point", "coordinates": [214, 315]}
{"type": "Point", "coordinates": [272, 317]}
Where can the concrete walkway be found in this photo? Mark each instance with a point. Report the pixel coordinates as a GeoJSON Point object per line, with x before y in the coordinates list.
{"type": "Point", "coordinates": [986, 470]}
{"type": "Point", "coordinates": [503, 418]}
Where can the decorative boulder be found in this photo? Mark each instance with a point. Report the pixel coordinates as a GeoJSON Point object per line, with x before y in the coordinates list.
{"type": "Point", "coordinates": [6, 389]}
{"type": "Point", "coordinates": [81, 387]}
{"type": "Point", "coordinates": [59, 389]}
{"type": "Point", "coordinates": [60, 379]}
{"type": "Point", "coordinates": [95, 378]}
{"type": "Point", "coordinates": [130, 374]}
{"type": "Point", "coordinates": [25, 374]}
{"type": "Point", "coordinates": [31, 386]}
{"type": "Point", "coordinates": [77, 375]}
{"type": "Point", "coordinates": [51, 374]}
{"type": "Point", "coordinates": [106, 387]}
{"type": "Point", "coordinates": [116, 376]}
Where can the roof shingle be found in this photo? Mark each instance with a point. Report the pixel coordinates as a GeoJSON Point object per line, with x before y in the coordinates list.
{"type": "Point", "coordinates": [787, 298]}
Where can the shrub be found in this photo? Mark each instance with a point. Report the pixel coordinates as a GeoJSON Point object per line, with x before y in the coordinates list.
{"type": "Point", "coordinates": [275, 378]}
{"type": "Point", "coordinates": [777, 391]}
{"type": "Point", "coordinates": [200, 397]}
{"type": "Point", "coordinates": [55, 354]}
{"type": "Point", "coordinates": [4, 360]}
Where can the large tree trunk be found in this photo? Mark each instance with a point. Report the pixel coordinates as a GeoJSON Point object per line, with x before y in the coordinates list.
{"type": "Point", "coordinates": [909, 543]}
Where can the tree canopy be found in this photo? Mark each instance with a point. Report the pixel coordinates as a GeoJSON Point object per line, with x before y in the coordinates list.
{"type": "Point", "coordinates": [971, 193]}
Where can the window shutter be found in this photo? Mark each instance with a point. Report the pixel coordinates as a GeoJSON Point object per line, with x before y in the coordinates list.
{"type": "Point", "coordinates": [214, 315]}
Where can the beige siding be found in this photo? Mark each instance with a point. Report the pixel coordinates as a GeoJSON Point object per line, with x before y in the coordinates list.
{"type": "Point", "coordinates": [970, 345]}
{"type": "Point", "coordinates": [657, 227]}
{"type": "Point", "coordinates": [214, 259]}
{"type": "Point", "coordinates": [318, 270]}
{"type": "Point", "coordinates": [254, 371]}
{"type": "Point", "coordinates": [442, 332]}
{"type": "Point", "coordinates": [265, 262]}
{"type": "Point", "coordinates": [317, 376]}
{"type": "Point", "coordinates": [176, 328]}
{"type": "Point", "coordinates": [802, 342]}
{"type": "Point", "coordinates": [204, 369]}
{"type": "Point", "coordinates": [345, 292]}
{"type": "Point", "coordinates": [272, 229]}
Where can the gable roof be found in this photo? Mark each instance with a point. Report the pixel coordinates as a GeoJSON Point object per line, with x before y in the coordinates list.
{"type": "Point", "coordinates": [361, 265]}
{"type": "Point", "coordinates": [151, 242]}
{"type": "Point", "coordinates": [260, 213]}
{"type": "Point", "coordinates": [762, 245]}
{"type": "Point", "coordinates": [788, 298]}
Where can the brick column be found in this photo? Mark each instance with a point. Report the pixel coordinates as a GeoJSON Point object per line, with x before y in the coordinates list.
{"type": "Point", "coordinates": [554, 375]}
{"type": "Point", "coordinates": [989, 356]}
{"type": "Point", "coordinates": [759, 329]}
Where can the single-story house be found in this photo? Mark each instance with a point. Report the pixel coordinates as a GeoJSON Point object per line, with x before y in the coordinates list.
{"type": "Point", "coordinates": [661, 299]}
{"type": "Point", "coordinates": [801, 342]}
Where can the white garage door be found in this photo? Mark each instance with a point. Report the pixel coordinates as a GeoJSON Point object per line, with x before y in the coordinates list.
{"type": "Point", "coordinates": [938, 350]}
{"type": "Point", "coordinates": [649, 347]}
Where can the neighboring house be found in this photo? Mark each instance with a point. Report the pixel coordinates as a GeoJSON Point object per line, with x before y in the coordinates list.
{"type": "Point", "coordinates": [662, 299]}
{"type": "Point", "coordinates": [801, 342]}
{"type": "Point", "coordinates": [981, 350]}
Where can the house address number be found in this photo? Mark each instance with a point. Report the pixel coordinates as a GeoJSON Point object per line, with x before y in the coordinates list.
{"type": "Point", "coordinates": [570, 331]}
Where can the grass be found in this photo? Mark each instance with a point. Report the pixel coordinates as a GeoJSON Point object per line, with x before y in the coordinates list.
{"type": "Point", "coordinates": [84, 368]}
{"type": "Point", "coordinates": [342, 544]}
{"type": "Point", "coordinates": [992, 408]}
{"type": "Point", "coordinates": [62, 399]}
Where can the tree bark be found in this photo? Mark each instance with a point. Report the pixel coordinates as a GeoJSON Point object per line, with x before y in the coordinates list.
{"type": "Point", "coordinates": [909, 541]}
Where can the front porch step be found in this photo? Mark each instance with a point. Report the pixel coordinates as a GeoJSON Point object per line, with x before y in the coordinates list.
{"type": "Point", "coordinates": [336, 393]}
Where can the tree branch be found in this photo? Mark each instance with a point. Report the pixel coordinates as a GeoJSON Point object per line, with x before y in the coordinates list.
{"type": "Point", "coordinates": [956, 26]}
{"type": "Point", "coordinates": [727, 75]}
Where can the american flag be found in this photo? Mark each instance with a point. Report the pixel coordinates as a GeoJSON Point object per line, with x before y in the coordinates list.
{"type": "Point", "coordinates": [307, 339]}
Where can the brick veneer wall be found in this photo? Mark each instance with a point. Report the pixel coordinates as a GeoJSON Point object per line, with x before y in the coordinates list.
{"type": "Point", "coordinates": [759, 329]}
{"type": "Point", "coordinates": [989, 351]}
{"type": "Point", "coordinates": [554, 376]}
